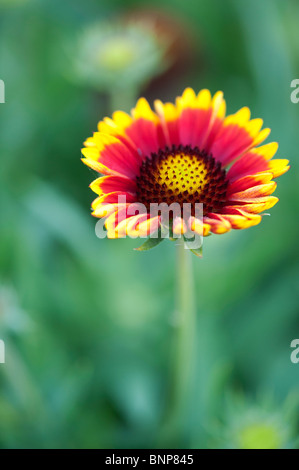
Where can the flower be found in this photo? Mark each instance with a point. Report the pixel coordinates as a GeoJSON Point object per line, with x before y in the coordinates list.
{"type": "Point", "coordinates": [116, 55]}
{"type": "Point", "coordinates": [259, 424]}
{"type": "Point", "coordinates": [187, 152]}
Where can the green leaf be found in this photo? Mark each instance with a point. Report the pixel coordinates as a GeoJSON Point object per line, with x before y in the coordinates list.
{"type": "Point", "coordinates": [150, 243]}
{"type": "Point", "coordinates": [195, 251]}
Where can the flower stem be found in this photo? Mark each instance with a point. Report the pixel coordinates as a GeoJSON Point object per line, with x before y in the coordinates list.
{"type": "Point", "coordinates": [122, 99]}
{"type": "Point", "coordinates": [186, 333]}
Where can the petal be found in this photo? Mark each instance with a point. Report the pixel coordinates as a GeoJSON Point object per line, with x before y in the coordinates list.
{"type": "Point", "coordinates": [117, 127]}
{"type": "Point", "coordinates": [197, 226]}
{"type": "Point", "coordinates": [109, 184]}
{"type": "Point", "coordinates": [179, 226]}
{"type": "Point", "coordinates": [117, 222]}
{"type": "Point", "coordinates": [143, 130]}
{"type": "Point", "coordinates": [96, 166]}
{"type": "Point", "coordinates": [195, 114]}
{"type": "Point", "coordinates": [89, 142]}
{"type": "Point", "coordinates": [110, 156]}
{"type": "Point", "coordinates": [278, 167]}
{"type": "Point", "coordinates": [168, 114]}
{"type": "Point", "coordinates": [129, 226]}
{"type": "Point", "coordinates": [189, 99]}
{"type": "Point", "coordinates": [115, 218]}
{"type": "Point", "coordinates": [104, 210]}
{"type": "Point", "coordinates": [116, 155]}
{"type": "Point", "coordinates": [193, 120]}
{"type": "Point", "coordinates": [239, 222]}
{"type": "Point", "coordinates": [249, 181]}
{"type": "Point", "coordinates": [251, 194]}
{"type": "Point", "coordinates": [121, 212]}
{"type": "Point", "coordinates": [237, 135]}
{"type": "Point", "coordinates": [201, 117]}
{"type": "Point", "coordinates": [252, 162]}
{"type": "Point", "coordinates": [218, 223]}
{"type": "Point", "coordinates": [148, 227]}
{"type": "Point", "coordinates": [260, 205]}
{"type": "Point", "coordinates": [116, 197]}
{"type": "Point", "coordinates": [219, 109]}
{"type": "Point", "coordinates": [194, 125]}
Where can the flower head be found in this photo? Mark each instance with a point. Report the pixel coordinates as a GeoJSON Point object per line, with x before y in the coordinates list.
{"type": "Point", "coordinates": [117, 54]}
{"type": "Point", "coordinates": [257, 425]}
{"type": "Point", "coordinates": [184, 153]}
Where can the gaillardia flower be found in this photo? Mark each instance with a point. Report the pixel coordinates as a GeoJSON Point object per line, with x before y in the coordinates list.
{"type": "Point", "coordinates": [187, 152]}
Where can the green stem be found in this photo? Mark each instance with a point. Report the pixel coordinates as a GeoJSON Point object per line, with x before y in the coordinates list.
{"type": "Point", "coordinates": [122, 99]}
{"type": "Point", "coordinates": [186, 333]}
{"type": "Point", "coordinates": [178, 413]}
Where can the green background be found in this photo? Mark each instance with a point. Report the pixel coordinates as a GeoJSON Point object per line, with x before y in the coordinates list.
{"type": "Point", "coordinates": [88, 323]}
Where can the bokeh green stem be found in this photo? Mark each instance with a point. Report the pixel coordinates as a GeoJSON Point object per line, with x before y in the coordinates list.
{"type": "Point", "coordinates": [185, 333]}
{"type": "Point", "coordinates": [122, 99]}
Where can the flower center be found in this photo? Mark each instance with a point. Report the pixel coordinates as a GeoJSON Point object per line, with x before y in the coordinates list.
{"type": "Point", "coordinates": [117, 53]}
{"type": "Point", "coordinates": [182, 175]}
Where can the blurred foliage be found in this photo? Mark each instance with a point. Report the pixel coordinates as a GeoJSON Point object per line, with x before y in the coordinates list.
{"type": "Point", "coordinates": [88, 323]}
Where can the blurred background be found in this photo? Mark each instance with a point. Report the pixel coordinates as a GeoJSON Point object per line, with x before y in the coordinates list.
{"type": "Point", "coordinates": [87, 323]}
